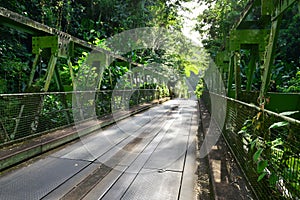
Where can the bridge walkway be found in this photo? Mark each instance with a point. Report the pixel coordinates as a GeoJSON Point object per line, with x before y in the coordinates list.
{"type": "Point", "coordinates": [150, 155]}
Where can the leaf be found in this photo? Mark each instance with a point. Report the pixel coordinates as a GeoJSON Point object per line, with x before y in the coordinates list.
{"type": "Point", "coordinates": [261, 176]}
{"type": "Point", "coordinates": [279, 124]}
{"type": "Point", "coordinates": [273, 179]}
{"type": "Point", "coordinates": [247, 123]}
{"type": "Point", "coordinates": [289, 174]}
{"type": "Point", "coordinates": [257, 154]}
{"type": "Point", "coordinates": [261, 165]}
{"type": "Point", "coordinates": [277, 142]}
{"type": "Point", "coordinates": [253, 143]}
{"type": "Point", "coordinates": [288, 113]}
{"type": "Point", "coordinates": [294, 163]}
{"type": "Point", "coordinates": [243, 130]}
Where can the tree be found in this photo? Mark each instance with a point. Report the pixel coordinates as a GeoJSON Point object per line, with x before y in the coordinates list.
{"type": "Point", "coordinates": [216, 22]}
{"type": "Point", "coordinates": [88, 20]}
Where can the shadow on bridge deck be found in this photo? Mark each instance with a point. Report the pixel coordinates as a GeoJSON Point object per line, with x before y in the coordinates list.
{"type": "Point", "coordinates": [150, 155]}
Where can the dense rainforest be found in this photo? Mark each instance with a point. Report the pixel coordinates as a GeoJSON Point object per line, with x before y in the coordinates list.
{"type": "Point", "coordinates": [94, 22]}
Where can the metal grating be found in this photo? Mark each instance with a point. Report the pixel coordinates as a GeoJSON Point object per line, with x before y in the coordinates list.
{"type": "Point", "coordinates": [283, 161]}
{"type": "Point", "coordinates": [30, 114]}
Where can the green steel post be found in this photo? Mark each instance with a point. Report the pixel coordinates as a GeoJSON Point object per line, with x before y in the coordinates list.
{"type": "Point", "coordinates": [237, 71]}
{"type": "Point", "coordinates": [50, 71]}
{"type": "Point", "coordinates": [281, 6]}
{"type": "Point", "coordinates": [62, 96]}
{"type": "Point", "coordinates": [251, 68]}
{"type": "Point", "coordinates": [110, 74]}
{"type": "Point", "coordinates": [131, 76]}
{"type": "Point", "coordinates": [110, 78]}
{"type": "Point", "coordinates": [138, 76]}
{"type": "Point", "coordinates": [144, 78]}
{"type": "Point", "coordinates": [230, 74]}
{"type": "Point", "coordinates": [71, 73]}
{"type": "Point", "coordinates": [269, 58]}
{"type": "Point", "coordinates": [58, 81]}
{"type": "Point", "coordinates": [267, 7]}
{"type": "Point", "coordinates": [33, 69]}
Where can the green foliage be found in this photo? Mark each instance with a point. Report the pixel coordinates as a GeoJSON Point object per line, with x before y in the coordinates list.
{"type": "Point", "coordinates": [216, 22]}
{"type": "Point", "coordinates": [289, 37]}
{"type": "Point", "coordinates": [65, 75]}
{"type": "Point", "coordinates": [270, 155]}
{"type": "Point", "coordinates": [287, 113]}
{"type": "Point", "coordinates": [13, 76]}
{"type": "Point", "coordinates": [199, 88]}
{"type": "Point", "coordinates": [53, 104]}
{"type": "Point", "coordinates": [7, 105]}
{"type": "Point", "coordinates": [278, 125]}
{"type": "Point", "coordinates": [257, 143]}
{"type": "Point", "coordinates": [261, 176]}
{"type": "Point", "coordinates": [112, 75]}
{"type": "Point", "coordinates": [93, 21]}
{"type": "Point", "coordinates": [292, 85]}
{"type": "Point", "coordinates": [257, 154]}
{"type": "Point", "coordinates": [14, 60]}
{"type": "Point", "coordinates": [261, 166]}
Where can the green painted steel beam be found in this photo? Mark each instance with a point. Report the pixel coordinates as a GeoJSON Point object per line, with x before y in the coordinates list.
{"type": "Point", "coordinates": [251, 67]}
{"type": "Point", "coordinates": [50, 71]}
{"type": "Point", "coordinates": [251, 36]}
{"type": "Point", "coordinates": [273, 8]}
{"type": "Point", "coordinates": [248, 33]}
{"type": "Point", "coordinates": [262, 23]}
{"type": "Point", "coordinates": [33, 69]}
{"type": "Point", "coordinates": [63, 46]}
{"type": "Point", "coordinates": [245, 13]}
{"type": "Point", "coordinates": [72, 73]}
{"type": "Point", "coordinates": [269, 58]}
{"type": "Point", "coordinates": [282, 102]}
{"type": "Point", "coordinates": [267, 7]}
{"type": "Point", "coordinates": [44, 42]}
{"type": "Point", "coordinates": [24, 24]}
{"type": "Point", "coordinates": [230, 74]}
{"type": "Point", "coordinates": [280, 6]}
{"type": "Point", "coordinates": [237, 73]}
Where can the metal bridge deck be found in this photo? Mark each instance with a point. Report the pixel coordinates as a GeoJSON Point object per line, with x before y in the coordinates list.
{"type": "Point", "coordinates": [150, 155]}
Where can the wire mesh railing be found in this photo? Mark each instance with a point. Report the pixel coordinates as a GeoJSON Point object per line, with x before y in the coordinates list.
{"type": "Point", "coordinates": [31, 114]}
{"type": "Point", "coordinates": [266, 145]}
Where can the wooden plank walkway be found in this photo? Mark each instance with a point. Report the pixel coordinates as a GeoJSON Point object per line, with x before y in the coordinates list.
{"type": "Point", "coordinates": [151, 155]}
